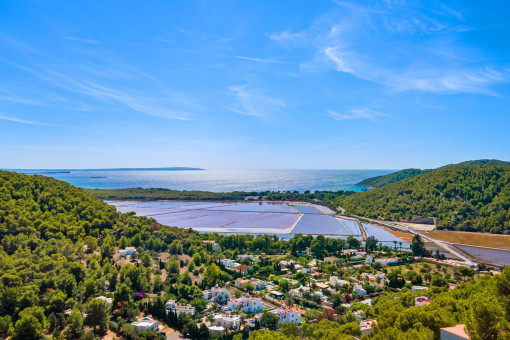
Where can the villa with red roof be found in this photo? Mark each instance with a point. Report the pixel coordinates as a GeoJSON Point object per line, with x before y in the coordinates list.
{"type": "Point", "coordinates": [216, 294]}
{"type": "Point", "coordinates": [246, 303]}
{"type": "Point", "coordinates": [287, 315]}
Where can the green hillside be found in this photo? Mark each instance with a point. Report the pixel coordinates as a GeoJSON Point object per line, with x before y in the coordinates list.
{"type": "Point", "coordinates": [462, 197]}
{"type": "Point", "coordinates": [380, 181]}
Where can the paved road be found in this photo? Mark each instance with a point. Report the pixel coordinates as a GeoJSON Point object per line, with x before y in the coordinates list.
{"type": "Point", "coordinates": [444, 245]}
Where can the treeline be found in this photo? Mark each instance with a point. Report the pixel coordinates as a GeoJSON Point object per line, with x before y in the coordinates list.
{"type": "Point", "coordinates": [462, 197]}
{"type": "Point", "coordinates": [380, 181]}
{"type": "Point", "coordinates": [168, 194]}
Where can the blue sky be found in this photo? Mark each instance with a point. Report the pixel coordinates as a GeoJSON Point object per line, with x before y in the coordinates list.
{"type": "Point", "coordinates": [253, 84]}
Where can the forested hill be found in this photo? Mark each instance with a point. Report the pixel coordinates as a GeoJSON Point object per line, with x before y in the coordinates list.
{"type": "Point", "coordinates": [380, 181]}
{"type": "Point", "coordinates": [462, 197]}
{"type": "Point", "coordinates": [45, 225]}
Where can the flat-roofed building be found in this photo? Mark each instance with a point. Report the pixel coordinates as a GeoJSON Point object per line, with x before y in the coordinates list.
{"type": "Point", "coordinates": [171, 306]}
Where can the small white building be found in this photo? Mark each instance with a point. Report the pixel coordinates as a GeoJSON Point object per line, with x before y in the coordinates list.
{"type": "Point", "coordinates": [334, 280]}
{"type": "Point", "coordinates": [369, 260]}
{"type": "Point", "coordinates": [247, 304]}
{"type": "Point", "coordinates": [127, 251]}
{"type": "Point", "coordinates": [256, 283]}
{"type": "Point", "coordinates": [358, 289]}
{"type": "Point", "coordinates": [108, 300]}
{"type": "Point", "coordinates": [171, 306]}
{"type": "Point", "coordinates": [306, 270]}
{"type": "Point", "coordinates": [215, 246]}
{"type": "Point", "coordinates": [144, 324]}
{"type": "Point", "coordinates": [216, 294]}
{"type": "Point", "coordinates": [229, 264]}
{"type": "Point", "coordinates": [216, 330]}
{"type": "Point", "coordinates": [366, 326]}
{"type": "Point", "coordinates": [287, 315]}
{"type": "Point", "coordinates": [227, 321]}
{"type": "Point", "coordinates": [415, 288]}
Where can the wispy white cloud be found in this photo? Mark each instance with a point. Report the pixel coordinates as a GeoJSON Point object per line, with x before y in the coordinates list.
{"type": "Point", "coordinates": [83, 40]}
{"type": "Point", "coordinates": [23, 121]}
{"type": "Point", "coordinates": [357, 113]}
{"type": "Point", "coordinates": [384, 43]}
{"type": "Point", "coordinates": [144, 104]}
{"type": "Point", "coordinates": [255, 103]}
{"type": "Point", "coordinates": [287, 38]}
{"type": "Point", "coordinates": [262, 60]}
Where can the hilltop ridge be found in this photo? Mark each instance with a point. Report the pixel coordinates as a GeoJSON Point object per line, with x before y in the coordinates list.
{"type": "Point", "coordinates": [470, 196]}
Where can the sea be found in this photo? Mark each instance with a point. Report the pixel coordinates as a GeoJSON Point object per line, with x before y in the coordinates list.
{"type": "Point", "coordinates": [214, 180]}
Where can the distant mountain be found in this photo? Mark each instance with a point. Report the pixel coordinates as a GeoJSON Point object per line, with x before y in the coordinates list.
{"type": "Point", "coordinates": [472, 196]}
{"type": "Point", "coordinates": [379, 181]}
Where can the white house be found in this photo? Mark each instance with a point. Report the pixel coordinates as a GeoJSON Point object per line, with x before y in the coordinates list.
{"type": "Point", "coordinates": [415, 288]}
{"type": "Point", "coordinates": [229, 263]}
{"type": "Point", "coordinates": [287, 315]}
{"type": "Point", "coordinates": [171, 306]}
{"type": "Point", "coordinates": [366, 326]}
{"type": "Point", "coordinates": [334, 280]}
{"type": "Point", "coordinates": [145, 324]}
{"type": "Point", "coordinates": [127, 251]}
{"type": "Point", "coordinates": [285, 264]}
{"type": "Point", "coordinates": [227, 321]}
{"type": "Point", "coordinates": [358, 289]}
{"type": "Point", "coordinates": [369, 259]}
{"type": "Point", "coordinates": [306, 270]}
{"type": "Point", "coordinates": [215, 245]}
{"type": "Point", "coordinates": [216, 330]}
{"type": "Point", "coordinates": [216, 294]}
{"type": "Point", "coordinates": [298, 292]}
{"type": "Point", "coordinates": [246, 303]}
{"type": "Point", "coordinates": [256, 283]}
{"type": "Point", "coordinates": [109, 301]}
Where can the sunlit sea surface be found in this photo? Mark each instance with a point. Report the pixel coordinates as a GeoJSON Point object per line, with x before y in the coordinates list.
{"type": "Point", "coordinates": [215, 180]}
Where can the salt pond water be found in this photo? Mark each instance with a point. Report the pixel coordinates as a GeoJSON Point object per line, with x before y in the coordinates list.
{"type": "Point", "coordinates": [244, 217]}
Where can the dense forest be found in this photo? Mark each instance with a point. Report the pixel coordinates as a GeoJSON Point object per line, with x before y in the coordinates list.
{"type": "Point", "coordinates": [462, 197]}
{"type": "Point", "coordinates": [380, 181]}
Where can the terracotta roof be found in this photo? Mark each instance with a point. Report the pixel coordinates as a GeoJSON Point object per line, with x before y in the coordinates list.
{"type": "Point", "coordinates": [457, 330]}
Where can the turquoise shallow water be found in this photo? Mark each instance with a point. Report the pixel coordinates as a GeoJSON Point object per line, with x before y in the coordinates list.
{"type": "Point", "coordinates": [215, 180]}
